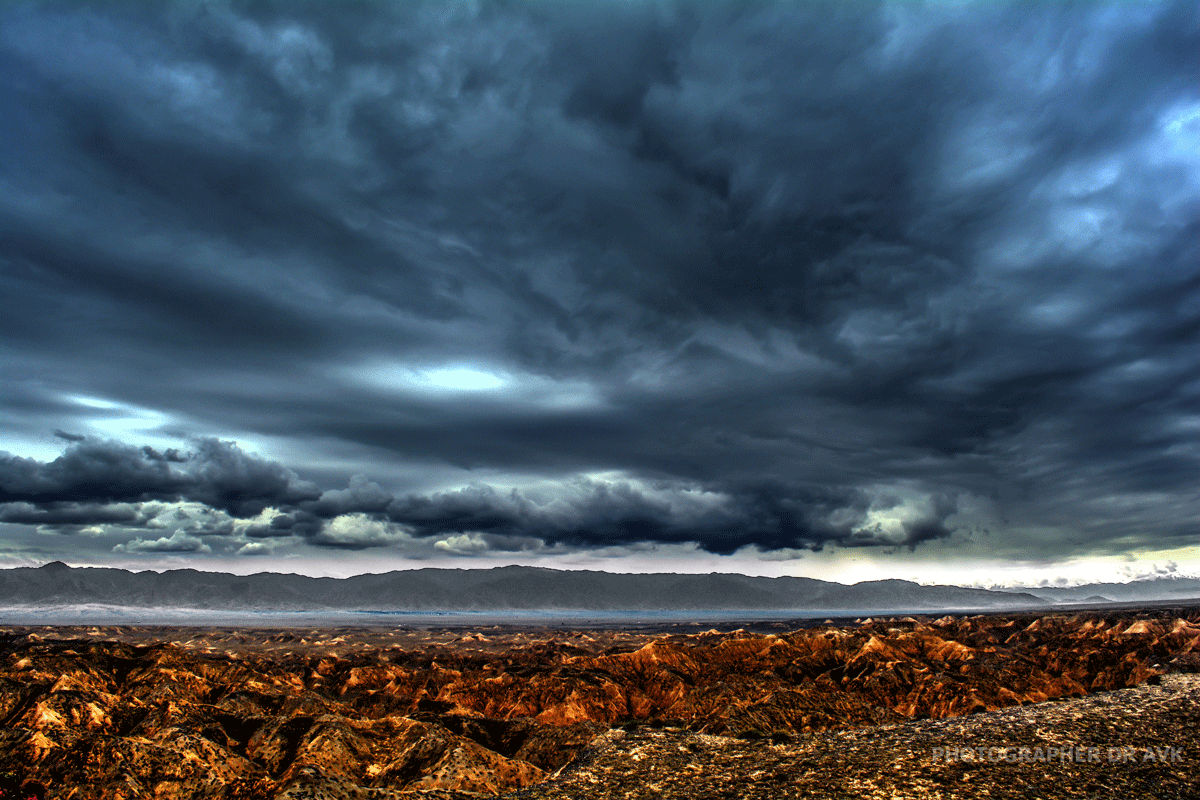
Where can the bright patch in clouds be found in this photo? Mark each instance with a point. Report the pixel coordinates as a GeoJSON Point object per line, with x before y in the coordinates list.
{"type": "Point", "coordinates": [391, 376]}
{"type": "Point", "coordinates": [520, 389]}
{"type": "Point", "coordinates": [463, 379]}
{"type": "Point", "coordinates": [122, 421]}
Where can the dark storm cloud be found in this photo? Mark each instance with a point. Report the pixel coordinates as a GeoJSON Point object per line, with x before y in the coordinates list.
{"type": "Point", "coordinates": [100, 483]}
{"type": "Point", "coordinates": [70, 515]}
{"type": "Point", "coordinates": [786, 256]}
{"type": "Point", "coordinates": [93, 473]}
{"type": "Point", "coordinates": [769, 516]}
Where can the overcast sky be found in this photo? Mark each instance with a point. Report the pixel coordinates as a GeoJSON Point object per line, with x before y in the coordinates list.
{"type": "Point", "coordinates": [841, 289]}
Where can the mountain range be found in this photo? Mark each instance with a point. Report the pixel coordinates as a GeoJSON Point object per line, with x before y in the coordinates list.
{"type": "Point", "coordinates": [515, 588]}
{"type": "Point", "coordinates": [511, 588]}
{"type": "Point", "coordinates": [1164, 588]}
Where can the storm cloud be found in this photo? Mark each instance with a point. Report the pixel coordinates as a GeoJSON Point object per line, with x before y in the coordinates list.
{"type": "Point", "coordinates": [760, 277]}
{"type": "Point", "coordinates": [106, 482]}
{"type": "Point", "coordinates": [217, 474]}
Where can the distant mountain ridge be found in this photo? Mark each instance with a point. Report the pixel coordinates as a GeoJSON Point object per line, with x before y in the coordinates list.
{"type": "Point", "coordinates": [1166, 587]}
{"type": "Point", "coordinates": [510, 588]}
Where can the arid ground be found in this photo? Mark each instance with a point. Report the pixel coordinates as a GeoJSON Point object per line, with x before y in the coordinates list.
{"type": "Point", "coordinates": [1085, 704]}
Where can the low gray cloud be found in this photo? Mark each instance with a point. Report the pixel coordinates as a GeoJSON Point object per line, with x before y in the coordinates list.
{"type": "Point", "coordinates": [176, 543]}
{"type": "Point", "coordinates": [97, 473]}
{"type": "Point", "coordinates": [227, 482]}
{"type": "Point", "coordinates": [770, 517]}
{"type": "Point", "coordinates": [786, 259]}
{"type": "Point", "coordinates": [58, 514]}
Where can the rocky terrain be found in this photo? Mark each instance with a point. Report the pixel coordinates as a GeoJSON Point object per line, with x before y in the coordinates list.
{"type": "Point", "coordinates": [1129, 743]}
{"type": "Point", "coordinates": [457, 712]}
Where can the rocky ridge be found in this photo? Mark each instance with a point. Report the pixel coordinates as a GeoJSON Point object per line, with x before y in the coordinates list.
{"type": "Point", "coordinates": [187, 713]}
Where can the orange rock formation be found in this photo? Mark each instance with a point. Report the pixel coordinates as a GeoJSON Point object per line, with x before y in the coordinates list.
{"type": "Point", "coordinates": [86, 717]}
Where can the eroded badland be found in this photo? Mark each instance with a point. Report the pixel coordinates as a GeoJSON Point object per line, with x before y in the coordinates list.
{"type": "Point", "coordinates": [864, 709]}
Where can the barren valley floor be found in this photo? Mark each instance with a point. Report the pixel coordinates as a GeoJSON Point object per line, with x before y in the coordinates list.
{"type": "Point", "coordinates": [1085, 704]}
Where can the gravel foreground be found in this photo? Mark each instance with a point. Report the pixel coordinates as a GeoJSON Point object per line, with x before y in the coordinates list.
{"type": "Point", "coordinates": [1129, 743]}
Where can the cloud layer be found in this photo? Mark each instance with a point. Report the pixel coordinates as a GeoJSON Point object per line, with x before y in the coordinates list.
{"type": "Point", "coordinates": [106, 483]}
{"type": "Point", "coordinates": [591, 274]}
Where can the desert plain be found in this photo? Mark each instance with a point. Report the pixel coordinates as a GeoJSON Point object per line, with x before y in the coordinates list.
{"type": "Point", "coordinates": [1096, 703]}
